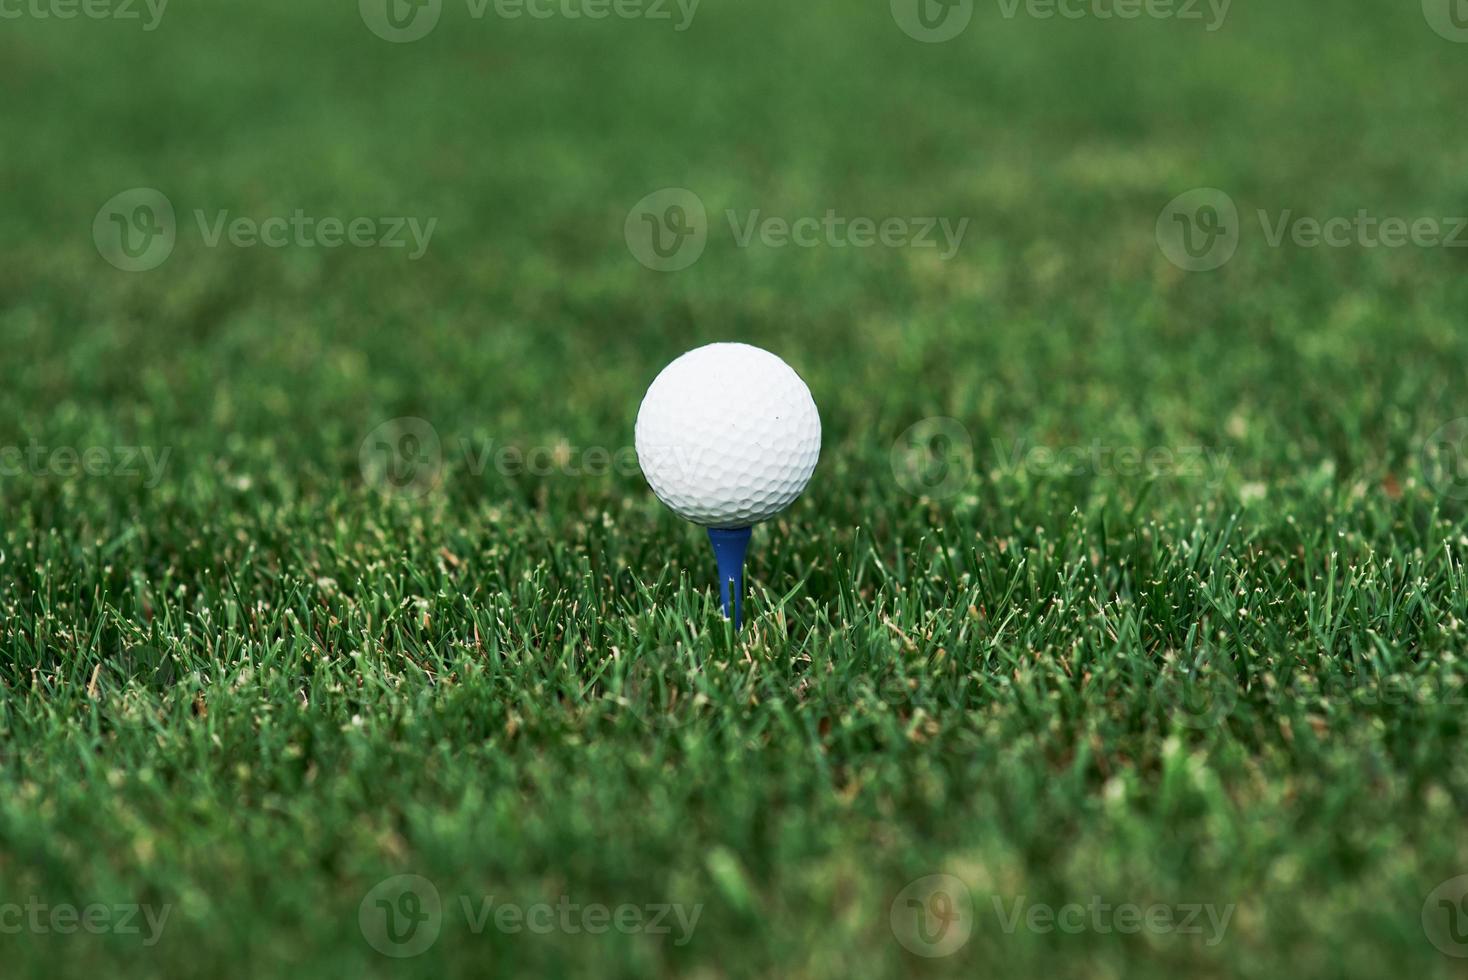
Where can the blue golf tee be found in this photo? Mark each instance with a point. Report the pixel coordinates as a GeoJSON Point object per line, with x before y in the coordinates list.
{"type": "Point", "coordinates": [730, 544]}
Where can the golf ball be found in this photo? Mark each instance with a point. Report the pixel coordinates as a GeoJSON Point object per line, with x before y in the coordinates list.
{"type": "Point", "coordinates": [728, 435]}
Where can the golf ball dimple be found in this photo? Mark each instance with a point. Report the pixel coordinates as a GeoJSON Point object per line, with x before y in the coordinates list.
{"type": "Point", "coordinates": [728, 435]}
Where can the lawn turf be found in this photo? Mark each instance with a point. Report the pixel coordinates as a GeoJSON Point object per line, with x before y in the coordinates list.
{"type": "Point", "coordinates": [1171, 612]}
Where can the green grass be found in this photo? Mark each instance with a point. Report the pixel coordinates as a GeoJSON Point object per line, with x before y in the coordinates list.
{"type": "Point", "coordinates": [258, 685]}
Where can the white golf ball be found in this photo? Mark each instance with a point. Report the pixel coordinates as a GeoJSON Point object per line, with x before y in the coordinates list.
{"type": "Point", "coordinates": [728, 435]}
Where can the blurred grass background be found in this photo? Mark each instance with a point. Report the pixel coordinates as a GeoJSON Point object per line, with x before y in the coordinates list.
{"type": "Point", "coordinates": [512, 687]}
